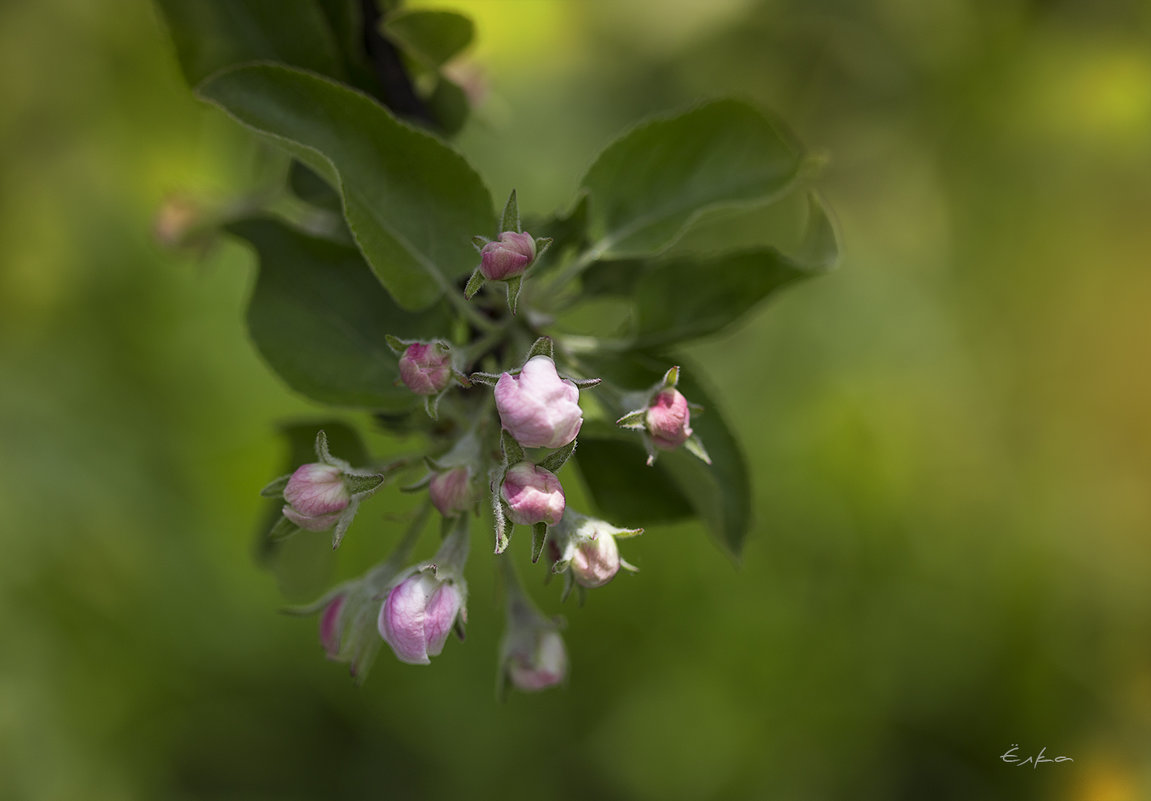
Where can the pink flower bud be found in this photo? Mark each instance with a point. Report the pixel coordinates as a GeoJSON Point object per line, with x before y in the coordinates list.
{"type": "Point", "coordinates": [426, 369]}
{"type": "Point", "coordinates": [669, 419]}
{"type": "Point", "coordinates": [596, 561]}
{"type": "Point", "coordinates": [451, 491]}
{"type": "Point", "coordinates": [417, 616]}
{"type": "Point", "coordinates": [316, 496]}
{"type": "Point", "coordinates": [533, 495]}
{"type": "Point", "coordinates": [330, 627]}
{"type": "Point", "coordinates": [537, 407]}
{"type": "Point", "coordinates": [508, 257]}
{"type": "Point", "coordinates": [540, 663]}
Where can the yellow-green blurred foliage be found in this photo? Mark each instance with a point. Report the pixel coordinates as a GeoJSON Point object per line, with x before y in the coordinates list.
{"type": "Point", "coordinates": [950, 437]}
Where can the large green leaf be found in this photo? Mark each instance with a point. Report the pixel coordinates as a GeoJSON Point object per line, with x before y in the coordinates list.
{"type": "Point", "coordinates": [686, 298]}
{"type": "Point", "coordinates": [431, 37]}
{"type": "Point", "coordinates": [625, 491]}
{"type": "Point", "coordinates": [212, 34]}
{"type": "Point", "coordinates": [412, 202]}
{"type": "Point", "coordinates": [647, 186]}
{"type": "Point", "coordinates": [319, 318]}
{"type": "Point", "coordinates": [612, 462]}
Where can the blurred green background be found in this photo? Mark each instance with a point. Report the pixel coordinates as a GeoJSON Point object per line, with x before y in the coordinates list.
{"type": "Point", "coordinates": [949, 437]}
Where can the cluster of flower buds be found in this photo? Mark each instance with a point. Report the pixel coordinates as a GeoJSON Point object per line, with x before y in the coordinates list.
{"type": "Point", "coordinates": [414, 607]}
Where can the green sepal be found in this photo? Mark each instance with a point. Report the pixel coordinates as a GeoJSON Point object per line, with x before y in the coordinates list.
{"type": "Point", "coordinates": [275, 488]}
{"type": "Point", "coordinates": [514, 285]}
{"type": "Point", "coordinates": [539, 538]}
{"type": "Point", "coordinates": [542, 244]}
{"type": "Point", "coordinates": [478, 242]}
{"type": "Point", "coordinates": [398, 346]}
{"type": "Point", "coordinates": [363, 485]}
{"type": "Point", "coordinates": [283, 529]}
{"type": "Point", "coordinates": [501, 523]}
{"type": "Point", "coordinates": [557, 459]}
{"type": "Point", "coordinates": [510, 219]}
{"type": "Point", "coordinates": [322, 452]}
{"type": "Point", "coordinates": [569, 582]}
{"type": "Point", "coordinates": [419, 485]}
{"type": "Point", "coordinates": [344, 522]}
{"type": "Point", "coordinates": [586, 383]}
{"type": "Point", "coordinates": [670, 378]}
{"type": "Point", "coordinates": [474, 283]}
{"type": "Point", "coordinates": [542, 347]}
{"type": "Point", "coordinates": [431, 406]}
{"type": "Point", "coordinates": [694, 446]}
{"type": "Point", "coordinates": [487, 379]}
{"type": "Point", "coordinates": [633, 421]}
{"type": "Point", "coordinates": [513, 451]}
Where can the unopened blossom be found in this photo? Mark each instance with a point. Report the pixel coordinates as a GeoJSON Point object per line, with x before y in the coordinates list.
{"type": "Point", "coordinates": [507, 257]}
{"type": "Point", "coordinates": [426, 368]}
{"type": "Point", "coordinates": [537, 407]}
{"type": "Point", "coordinates": [316, 495]}
{"type": "Point", "coordinates": [669, 419]}
{"type": "Point", "coordinates": [596, 560]}
{"type": "Point", "coordinates": [418, 615]}
{"type": "Point", "coordinates": [537, 662]}
{"type": "Point", "coordinates": [330, 626]}
{"type": "Point", "coordinates": [451, 491]}
{"type": "Point", "coordinates": [533, 495]}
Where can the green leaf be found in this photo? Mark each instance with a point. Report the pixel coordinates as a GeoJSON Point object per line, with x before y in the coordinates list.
{"type": "Point", "coordinates": [683, 298]}
{"type": "Point", "coordinates": [411, 201]}
{"type": "Point", "coordinates": [346, 20]}
{"type": "Point", "coordinates": [568, 230]}
{"type": "Point", "coordinates": [430, 37]}
{"type": "Point", "coordinates": [624, 490]}
{"type": "Point", "coordinates": [611, 462]}
{"type": "Point", "coordinates": [210, 35]}
{"type": "Point", "coordinates": [320, 319]}
{"type": "Point", "coordinates": [647, 186]}
{"type": "Point", "coordinates": [449, 105]}
{"type": "Point", "coordinates": [311, 188]}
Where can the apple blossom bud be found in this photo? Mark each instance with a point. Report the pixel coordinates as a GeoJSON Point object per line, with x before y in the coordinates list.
{"type": "Point", "coordinates": [595, 561]}
{"type": "Point", "coordinates": [508, 257]}
{"type": "Point", "coordinates": [533, 495]}
{"type": "Point", "coordinates": [540, 662]}
{"type": "Point", "coordinates": [669, 419]}
{"type": "Point", "coordinates": [330, 627]}
{"type": "Point", "coordinates": [426, 368]}
{"type": "Point", "coordinates": [316, 496]}
{"type": "Point", "coordinates": [451, 491]}
{"type": "Point", "coordinates": [417, 616]}
{"type": "Point", "coordinates": [537, 407]}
